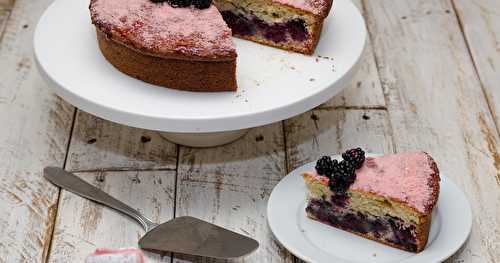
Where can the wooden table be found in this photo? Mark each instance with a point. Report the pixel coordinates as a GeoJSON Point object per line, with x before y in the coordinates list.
{"type": "Point", "coordinates": [430, 80]}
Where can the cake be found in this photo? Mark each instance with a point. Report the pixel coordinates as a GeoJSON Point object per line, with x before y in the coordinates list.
{"type": "Point", "coordinates": [185, 48]}
{"type": "Point", "coordinates": [187, 44]}
{"type": "Point", "coordinates": [288, 24]}
{"type": "Point", "coordinates": [388, 199]}
{"type": "Point", "coordinates": [121, 255]}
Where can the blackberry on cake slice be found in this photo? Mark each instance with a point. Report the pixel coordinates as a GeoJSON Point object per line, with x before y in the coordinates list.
{"type": "Point", "coordinates": [388, 199]}
{"type": "Point", "coordinates": [293, 25]}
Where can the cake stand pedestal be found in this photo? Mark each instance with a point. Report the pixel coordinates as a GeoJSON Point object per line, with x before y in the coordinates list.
{"type": "Point", "coordinates": [272, 84]}
{"type": "Point", "coordinates": [202, 140]}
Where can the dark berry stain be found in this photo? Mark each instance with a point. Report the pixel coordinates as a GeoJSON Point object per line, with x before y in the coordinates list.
{"type": "Point", "coordinates": [403, 17]}
{"type": "Point", "coordinates": [25, 26]}
{"type": "Point", "coordinates": [365, 117]}
{"type": "Point", "coordinates": [92, 141]}
{"type": "Point", "coordinates": [447, 11]}
{"type": "Point", "coordinates": [100, 178]}
{"type": "Point", "coordinates": [145, 139]}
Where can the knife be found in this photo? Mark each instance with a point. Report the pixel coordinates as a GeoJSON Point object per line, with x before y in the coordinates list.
{"type": "Point", "coordinates": [186, 235]}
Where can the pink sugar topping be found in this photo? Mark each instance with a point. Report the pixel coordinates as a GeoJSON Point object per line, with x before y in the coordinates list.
{"type": "Point", "coordinates": [160, 28]}
{"type": "Point", "coordinates": [317, 7]}
{"type": "Point", "coordinates": [404, 176]}
{"type": "Point", "coordinates": [120, 255]}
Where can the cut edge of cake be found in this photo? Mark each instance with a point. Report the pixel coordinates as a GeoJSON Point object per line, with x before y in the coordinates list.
{"type": "Point", "coordinates": [374, 208]}
{"type": "Point", "coordinates": [277, 23]}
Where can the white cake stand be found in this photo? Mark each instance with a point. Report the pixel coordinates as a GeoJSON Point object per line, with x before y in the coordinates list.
{"type": "Point", "coordinates": [273, 84]}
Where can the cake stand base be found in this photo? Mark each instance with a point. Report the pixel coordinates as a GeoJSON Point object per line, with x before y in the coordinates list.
{"type": "Point", "coordinates": [203, 140]}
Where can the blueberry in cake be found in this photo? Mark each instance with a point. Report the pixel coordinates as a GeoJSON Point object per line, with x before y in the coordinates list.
{"type": "Point", "coordinates": [187, 44]}
{"type": "Point", "coordinates": [388, 198]}
{"type": "Point", "coordinates": [288, 24]}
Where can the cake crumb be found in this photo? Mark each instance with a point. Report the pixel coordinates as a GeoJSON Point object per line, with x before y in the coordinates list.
{"type": "Point", "coordinates": [311, 79]}
{"type": "Point", "coordinates": [374, 254]}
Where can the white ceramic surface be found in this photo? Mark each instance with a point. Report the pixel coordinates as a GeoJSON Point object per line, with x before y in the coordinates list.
{"type": "Point", "coordinates": [273, 84]}
{"type": "Point", "coordinates": [318, 243]}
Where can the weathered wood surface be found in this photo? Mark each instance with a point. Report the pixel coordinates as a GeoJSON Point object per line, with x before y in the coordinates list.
{"type": "Point", "coordinates": [98, 144]}
{"type": "Point", "coordinates": [480, 21]}
{"type": "Point", "coordinates": [230, 186]}
{"type": "Point", "coordinates": [82, 226]}
{"type": "Point", "coordinates": [436, 103]}
{"type": "Point", "coordinates": [34, 133]}
{"type": "Point", "coordinates": [328, 131]}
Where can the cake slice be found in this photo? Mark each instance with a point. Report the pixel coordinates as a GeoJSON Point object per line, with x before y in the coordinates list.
{"type": "Point", "coordinates": [121, 255]}
{"type": "Point", "coordinates": [389, 199]}
{"type": "Point", "coordinates": [288, 24]}
{"type": "Point", "coordinates": [167, 43]}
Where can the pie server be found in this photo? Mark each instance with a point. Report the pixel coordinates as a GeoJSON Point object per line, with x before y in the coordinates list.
{"type": "Point", "coordinates": [186, 235]}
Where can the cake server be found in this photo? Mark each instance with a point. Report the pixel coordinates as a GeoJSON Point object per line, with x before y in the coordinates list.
{"type": "Point", "coordinates": [186, 235]}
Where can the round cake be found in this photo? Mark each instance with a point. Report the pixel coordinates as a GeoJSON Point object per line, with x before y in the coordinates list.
{"type": "Point", "coordinates": [187, 45]}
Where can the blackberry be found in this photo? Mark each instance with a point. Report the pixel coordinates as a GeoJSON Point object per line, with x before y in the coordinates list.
{"type": "Point", "coordinates": [354, 156]}
{"type": "Point", "coordinates": [325, 166]}
{"type": "Point", "coordinates": [343, 176]}
{"type": "Point", "coordinates": [202, 4]}
{"type": "Point", "coordinates": [179, 3]}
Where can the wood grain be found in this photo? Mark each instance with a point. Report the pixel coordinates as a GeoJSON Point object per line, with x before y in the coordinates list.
{"type": "Point", "coordinates": [98, 144]}
{"type": "Point", "coordinates": [82, 226]}
{"type": "Point", "coordinates": [35, 131]}
{"type": "Point", "coordinates": [326, 132]}
{"type": "Point", "coordinates": [230, 186]}
{"type": "Point", "coordinates": [436, 104]}
{"type": "Point", "coordinates": [365, 90]}
{"type": "Point", "coordinates": [480, 20]}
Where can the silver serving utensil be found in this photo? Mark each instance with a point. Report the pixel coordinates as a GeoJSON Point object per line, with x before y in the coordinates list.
{"type": "Point", "coordinates": [186, 235]}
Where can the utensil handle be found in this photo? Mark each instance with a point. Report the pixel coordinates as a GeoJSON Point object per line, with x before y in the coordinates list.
{"type": "Point", "coordinates": [72, 183]}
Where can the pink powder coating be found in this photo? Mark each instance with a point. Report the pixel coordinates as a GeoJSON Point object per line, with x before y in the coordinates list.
{"type": "Point", "coordinates": [404, 176]}
{"type": "Point", "coordinates": [317, 7]}
{"type": "Point", "coordinates": [160, 28]}
{"type": "Point", "coordinates": [120, 255]}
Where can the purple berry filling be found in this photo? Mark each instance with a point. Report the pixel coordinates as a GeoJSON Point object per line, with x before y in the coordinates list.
{"type": "Point", "coordinates": [389, 228]}
{"type": "Point", "coordinates": [250, 25]}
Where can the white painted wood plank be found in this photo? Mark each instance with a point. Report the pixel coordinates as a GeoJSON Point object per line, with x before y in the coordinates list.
{"type": "Point", "coordinates": [35, 131]}
{"type": "Point", "coordinates": [480, 20]}
{"type": "Point", "coordinates": [82, 226]}
{"type": "Point", "coordinates": [326, 132]}
{"type": "Point", "coordinates": [98, 144]}
{"type": "Point", "coordinates": [436, 104]}
{"type": "Point", "coordinates": [230, 186]}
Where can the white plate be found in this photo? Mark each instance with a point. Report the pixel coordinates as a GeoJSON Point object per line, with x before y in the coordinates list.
{"type": "Point", "coordinates": [273, 84]}
{"type": "Point", "coordinates": [316, 242]}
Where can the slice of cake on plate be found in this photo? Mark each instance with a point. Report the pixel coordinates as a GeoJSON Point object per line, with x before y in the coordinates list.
{"type": "Point", "coordinates": [387, 198]}
{"type": "Point", "coordinates": [120, 255]}
{"type": "Point", "coordinates": [288, 24]}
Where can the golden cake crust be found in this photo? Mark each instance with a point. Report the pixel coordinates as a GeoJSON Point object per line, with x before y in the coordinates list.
{"type": "Point", "coordinates": [209, 76]}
